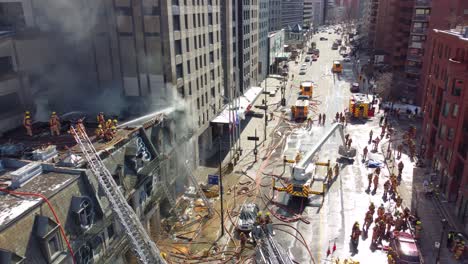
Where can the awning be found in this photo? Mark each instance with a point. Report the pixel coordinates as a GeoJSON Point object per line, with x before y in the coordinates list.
{"type": "Point", "coordinates": [244, 103]}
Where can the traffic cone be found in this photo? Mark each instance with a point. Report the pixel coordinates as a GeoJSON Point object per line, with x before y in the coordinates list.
{"type": "Point", "coordinates": [334, 246]}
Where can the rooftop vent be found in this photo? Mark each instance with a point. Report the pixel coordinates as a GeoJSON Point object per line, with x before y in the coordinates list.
{"type": "Point", "coordinates": [22, 175]}
{"type": "Point", "coordinates": [45, 154]}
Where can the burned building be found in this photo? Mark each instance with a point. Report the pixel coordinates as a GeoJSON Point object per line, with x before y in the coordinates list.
{"type": "Point", "coordinates": [53, 208]}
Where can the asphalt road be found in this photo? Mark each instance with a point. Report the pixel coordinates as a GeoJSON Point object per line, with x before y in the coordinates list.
{"type": "Point", "coordinates": [331, 217]}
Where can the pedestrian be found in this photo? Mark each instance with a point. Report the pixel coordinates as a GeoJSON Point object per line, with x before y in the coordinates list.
{"type": "Point", "coordinates": [341, 116]}
{"type": "Point", "coordinates": [385, 121]}
{"type": "Point", "coordinates": [386, 187]}
{"type": "Point", "coordinates": [349, 143]}
{"type": "Point", "coordinates": [369, 178]}
{"type": "Point", "coordinates": [346, 139]}
{"type": "Point", "coordinates": [381, 120]}
{"type": "Point", "coordinates": [323, 119]}
{"type": "Point", "coordinates": [320, 119]}
{"type": "Point", "coordinates": [400, 169]}
{"type": "Point", "coordinates": [399, 149]}
{"type": "Point", "coordinates": [337, 117]}
{"type": "Point", "coordinates": [375, 235]}
{"type": "Point", "coordinates": [368, 219]}
{"type": "Point", "coordinates": [376, 143]}
{"type": "Point", "coordinates": [371, 133]}
{"type": "Point", "coordinates": [364, 152]}
{"type": "Point", "coordinates": [376, 182]}
{"type": "Point", "coordinates": [382, 134]}
{"type": "Point", "coordinates": [336, 169]}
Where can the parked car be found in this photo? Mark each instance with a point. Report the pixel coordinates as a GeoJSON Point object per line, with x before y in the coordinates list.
{"type": "Point", "coordinates": [405, 248]}
{"type": "Point", "coordinates": [302, 72]}
{"type": "Point", "coordinates": [307, 59]}
{"type": "Point", "coordinates": [347, 59]}
{"type": "Point", "coordinates": [355, 88]}
{"type": "Point", "coordinates": [323, 38]}
{"type": "Point", "coordinates": [247, 217]}
{"type": "Point", "coordinates": [303, 66]}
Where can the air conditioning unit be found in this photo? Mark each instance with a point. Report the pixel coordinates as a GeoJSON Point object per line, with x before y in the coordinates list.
{"type": "Point", "coordinates": [24, 174]}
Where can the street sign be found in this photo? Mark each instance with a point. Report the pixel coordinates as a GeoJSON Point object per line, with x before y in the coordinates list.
{"type": "Point", "coordinates": [253, 138]}
{"type": "Point", "coordinates": [213, 179]}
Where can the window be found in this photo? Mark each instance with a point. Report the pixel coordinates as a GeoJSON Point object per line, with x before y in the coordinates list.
{"type": "Point", "coordinates": [12, 15]}
{"type": "Point", "coordinates": [446, 109]}
{"type": "Point", "coordinates": [451, 133]}
{"type": "Point", "coordinates": [210, 19]}
{"type": "Point", "coordinates": [442, 132]}
{"type": "Point", "coordinates": [198, 103]}
{"type": "Point", "coordinates": [6, 65]}
{"type": "Point", "coordinates": [210, 38]}
{"type": "Point", "coordinates": [181, 92]}
{"type": "Point", "coordinates": [175, 2]}
{"type": "Point", "coordinates": [457, 87]}
{"type": "Point", "coordinates": [179, 71]}
{"type": "Point", "coordinates": [178, 47]}
{"type": "Point", "coordinates": [455, 110]}
{"type": "Point", "coordinates": [186, 21]}
{"type": "Point", "coordinates": [188, 67]}
{"type": "Point", "coordinates": [211, 57]}
{"type": "Point", "coordinates": [176, 22]}
{"type": "Point", "coordinates": [54, 246]}
{"type": "Point", "coordinates": [187, 44]}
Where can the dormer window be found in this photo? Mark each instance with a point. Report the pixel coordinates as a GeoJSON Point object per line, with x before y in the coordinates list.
{"type": "Point", "coordinates": [8, 257]}
{"type": "Point", "coordinates": [83, 210]}
{"type": "Point", "coordinates": [50, 241]}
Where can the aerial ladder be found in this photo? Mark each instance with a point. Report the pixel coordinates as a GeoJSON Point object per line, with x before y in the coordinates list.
{"type": "Point", "coordinates": [302, 184]}
{"type": "Point", "coordinates": [144, 248]}
{"type": "Point", "coordinates": [269, 252]}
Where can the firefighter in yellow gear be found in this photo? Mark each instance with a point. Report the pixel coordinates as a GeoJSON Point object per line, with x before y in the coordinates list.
{"type": "Point", "coordinates": [110, 133]}
{"type": "Point", "coordinates": [27, 123]}
{"type": "Point", "coordinates": [108, 124]}
{"type": "Point", "coordinates": [459, 249]}
{"type": "Point", "coordinates": [336, 169]}
{"type": "Point", "coordinates": [99, 132]}
{"type": "Point", "coordinates": [80, 126]}
{"type": "Point", "coordinates": [330, 174]}
{"type": "Point", "coordinates": [259, 220]}
{"type": "Point", "coordinates": [267, 218]}
{"type": "Point", "coordinates": [418, 230]}
{"type": "Point", "coordinates": [54, 123]}
{"type": "Point", "coordinates": [101, 119]}
{"type": "Point", "coordinates": [114, 122]}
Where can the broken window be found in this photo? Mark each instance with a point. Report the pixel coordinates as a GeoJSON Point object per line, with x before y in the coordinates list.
{"type": "Point", "coordinates": [84, 211]}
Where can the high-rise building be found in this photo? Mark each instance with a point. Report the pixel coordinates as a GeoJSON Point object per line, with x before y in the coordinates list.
{"type": "Point", "coordinates": [263, 29]}
{"type": "Point", "coordinates": [145, 55]}
{"type": "Point", "coordinates": [308, 15]}
{"type": "Point", "coordinates": [229, 47]}
{"type": "Point", "coordinates": [275, 15]}
{"type": "Point", "coordinates": [247, 39]}
{"type": "Point", "coordinates": [445, 125]}
{"type": "Point", "coordinates": [292, 13]}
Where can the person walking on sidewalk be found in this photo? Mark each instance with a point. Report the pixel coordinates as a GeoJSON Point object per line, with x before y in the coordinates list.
{"type": "Point", "coordinates": [381, 120]}
{"type": "Point", "coordinates": [370, 135]}
{"type": "Point", "coordinates": [368, 219]}
{"type": "Point", "coordinates": [364, 152]}
{"type": "Point", "coordinates": [320, 119]}
{"type": "Point", "coordinates": [400, 169]}
{"type": "Point", "coordinates": [369, 178]}
{"type": "Point", "coordinates": [399, 149]}
{"type": "Point", "coordinates": [386, 188]}
{"type": "Point", "coordinates": [376, 143]}
{"type": "Point", "coordinates": [349, 143]}
{"type": "Point", "coordinates": [323, 119]}
{"type": "Point", "coordinates": [337, 117]}
{"type": "Point", "coordinates": [376, 183]}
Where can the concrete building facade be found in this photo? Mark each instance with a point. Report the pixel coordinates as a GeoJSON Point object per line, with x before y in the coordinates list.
{"type": "Point", "coordinates": [275, 15]}
{"type": "Point", "coordinates": [248, 41]}
{"type": "Point", "coordinates": [308, 15]}
{"type": "Point", "coordinates": [263, 29]}
{"type": "Point", "coordinates": [445, 140]}
{"type": "Point", "coordinates": [292, 13]}
{"type": "Point", "coordinates": [229, 47]}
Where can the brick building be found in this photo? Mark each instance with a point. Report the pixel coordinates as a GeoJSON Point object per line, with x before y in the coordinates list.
{"type": "Point", "coordinates": [445, 124]}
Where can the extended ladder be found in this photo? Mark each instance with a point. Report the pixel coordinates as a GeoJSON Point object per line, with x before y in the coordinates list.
{"type": "Point", "coordinates": [144, 248]}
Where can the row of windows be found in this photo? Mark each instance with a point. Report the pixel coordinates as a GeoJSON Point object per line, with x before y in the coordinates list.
{"type": "Point", "coordinates": [199, 42]}
{"type": "Point", "coordinates": [193, 2]}
{"type": "Point", "coordinates": [200, 18]}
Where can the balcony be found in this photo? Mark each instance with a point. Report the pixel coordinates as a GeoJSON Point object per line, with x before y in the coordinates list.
{"type": "Point", "coordinates": [420, 17]}
{"type": "Point", "coordinates": [419, 31]}
{"type": "Point", "coordinates": [422, 3]}
{"type": "Point", "coordinates": [457, 68]}
{"type": "Point", "coordinates": [413, 70]}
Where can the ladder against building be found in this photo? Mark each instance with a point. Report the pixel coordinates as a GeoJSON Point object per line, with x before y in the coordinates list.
{"type": "Point", "coordinates": [144, 248]}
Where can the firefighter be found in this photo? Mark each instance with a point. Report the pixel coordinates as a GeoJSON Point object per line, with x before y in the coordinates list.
{"type": "Point", "coordinates": [417, 230]}
{"type": "Point", "coordinates": [110, 133]}
{"type": "Point", "coordinates": [330, 174]}
{"type": "Point", "coordinates": [386, 187]}
{"type": "Point", "coordinates": [349, 143]}
{"type": "Point", "coordinates": [346, 139]}
{"type": "Point", "coordinates": [80, 126]}
{"type": "Point", "coordinates": [54, 124]}
{"type": "Point", "coordinates": [399, 222]}
{"type": "Point", "coordinates": [243, 239]}
{"type": "Point", "coordinates": [399, 201]}
{"type": "Point", "coordinates": [377, 170]}
{"type": "Point", "coordinates": [108, 124]}
{"type": "Point", "coordinates": [391, 256]}
{"type": "Point", "coordinates": [267, 218]}
{"type": "Point", "coordinates": [323, 119]}
{"type": "Point", "coordinates": [27, 123]}
{"type": "Point", "coordinates": [400, 168]}
{"type": "Point", "coordinates": [336, 168]}
{"type": "Point", "coordinates": [368, 219]}
{"type": "Point", "coordinates": [355, 234]}
{"type": "Point", "coordinates": [371, 133]}
{"type": "Point", "coordinates": [114, 122]}
{"type": "Point", "coordinates": [372, 207]}
{"type": "Point", "coordinates": [399, 149]}
{"type": "Point", "coordinates": [259, 219]}
{"type": "Point", "coordinates": [381, 211]}
{"type": "Point", "coordinates": [27, 114]}
{"type": "Point", "coordinates": [101, 119]}
{"type": "Point", "coordinates": [382, 228]}
{"type": "Point", "coordinates": [389, 222]}
{"type": "Point", "coordinates": [320, 119]}
{"type": "Point", "coordinates": [376, 143]}
{"type": "Point", "coordinates": [99, 132]}
{"type": "Point", "coordinates": [459, 249]}
{"type": "Point", "coordinates": [375, 235]}
{"type": "Point", "coordinates": [337, 117]}
{"type": "Point", "coordinates": [376, 182]}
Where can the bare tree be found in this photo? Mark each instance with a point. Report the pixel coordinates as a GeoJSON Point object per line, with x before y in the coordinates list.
{"type": "Point", "coordinates": [384, 86]}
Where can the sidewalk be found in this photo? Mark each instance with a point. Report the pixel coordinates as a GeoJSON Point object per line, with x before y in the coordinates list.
{"type": "Point", "coordinates": [430, 211]}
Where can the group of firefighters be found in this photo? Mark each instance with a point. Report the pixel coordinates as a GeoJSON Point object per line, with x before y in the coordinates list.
{"type": "Point", "coordinates": [340, 117]}
{"type": "Point", "coordinates": [106, 129]}
{"type": "Point", "coordinates": [263, 222]}
{"type": "Point", "coordinates": [54, 124]}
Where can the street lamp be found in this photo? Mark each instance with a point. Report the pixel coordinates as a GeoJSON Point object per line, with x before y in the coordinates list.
{"type": "Point", "coordinates": [444, 226]}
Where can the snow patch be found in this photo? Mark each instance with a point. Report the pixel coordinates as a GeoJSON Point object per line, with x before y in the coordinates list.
{"type": "Point", "coordinates": [16, 209]}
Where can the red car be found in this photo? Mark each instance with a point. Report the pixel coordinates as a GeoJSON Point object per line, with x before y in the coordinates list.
{"type": "Point", "coordinates": [406, 248]}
